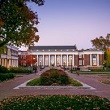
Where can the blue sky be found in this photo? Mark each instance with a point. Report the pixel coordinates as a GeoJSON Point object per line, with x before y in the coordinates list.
{"type": "Point", "coordinates": [70, 22]}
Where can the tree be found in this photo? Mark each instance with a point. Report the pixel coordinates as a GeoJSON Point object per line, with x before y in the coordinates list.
{"type": "Point", "coordinates": [18, 22]}
{"type": "Point", "coordinates": [101, 42]}
{"type": "Point", "coordinates": [31, 60]}
{"type": "Point", "coordinates": [108, 58]}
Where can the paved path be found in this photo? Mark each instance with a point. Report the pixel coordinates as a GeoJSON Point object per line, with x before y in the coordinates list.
{"type": "Point", "coordinates": [6, 88]}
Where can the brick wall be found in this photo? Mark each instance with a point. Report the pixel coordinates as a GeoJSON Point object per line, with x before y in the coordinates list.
{"type": "Point", "coordinates": [101, 59]}
{"type": "Point", "coordinates": [75, 60]}
{"type": "Point", "coordinates": [86, 59]}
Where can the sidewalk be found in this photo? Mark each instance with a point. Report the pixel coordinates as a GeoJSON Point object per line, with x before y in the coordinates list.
{"type": "Point", "coordinates": [7, 87]}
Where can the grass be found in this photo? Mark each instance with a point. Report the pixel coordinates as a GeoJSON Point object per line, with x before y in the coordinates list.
{"type": "Point", "coordinates": [34, 82]}
{"type": "Point", "coordinates": [74, 82]}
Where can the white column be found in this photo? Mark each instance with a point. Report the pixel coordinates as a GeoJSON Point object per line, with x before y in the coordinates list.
{"type": "Point", "coordinates": [12, 63]}
{"type": "Point", "coordinates": [97, 59]}
{"type": "Point", "coordinates": [17, 63]}
{"type": "Point", "coordinates": [43, 61]}
{"type": "Point", "coordinates": [37, 60]}
{"type": "Point", "coordinates": [67, 60]}
{"type": "Point", "coordinates": [90, 59]}
{"type": "Point", "coordinates": [9, 63]}
{"type": "Point", "coordinates": [61, 59]}
{"type": "Point", "coordinates": [55, 60]}
{"type": "Point", "coordinates": [5, 62]}
{"type": "Point", "coordinates": [49, 59]}
{"type": "Point", "coordinates": [2, 62]}
{"type": "Point", "coordinates": [73, 60]}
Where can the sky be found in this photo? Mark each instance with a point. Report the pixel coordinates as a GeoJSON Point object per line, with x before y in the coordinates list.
{"type": "Point", "coordinates": [72, 22]}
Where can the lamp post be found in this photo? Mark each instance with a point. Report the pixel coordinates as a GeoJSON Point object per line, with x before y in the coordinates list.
{"type": "Point", "coordinates": [71, 64]}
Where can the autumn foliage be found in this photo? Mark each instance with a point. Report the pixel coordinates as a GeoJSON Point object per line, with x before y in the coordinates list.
{"type": "Point", "coordinates": [27, 60]}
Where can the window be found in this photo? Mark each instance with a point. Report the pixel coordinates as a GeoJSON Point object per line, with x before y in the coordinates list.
{"type": "Point", "coordinates": [80, 55]}
{"type": "Point", "coordinates": [94, 60]}
{"type": "Point", "coordinates": [80, 62]}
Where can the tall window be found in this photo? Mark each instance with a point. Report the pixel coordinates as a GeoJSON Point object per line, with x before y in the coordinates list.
{"type": "Point", "coordinates": [80, 56]}
{"type": "Point", "coordinates": [80, 62]}
{"type": "Point", "coordinates": [94, 59]}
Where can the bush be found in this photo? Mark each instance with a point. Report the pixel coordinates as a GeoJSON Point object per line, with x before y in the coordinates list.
{"type": "Point", "coordinates": [54, 76]}
{"type": "Point", "coordinates": [20, 70]}
{"type": "Point", "coordinates": [3, 69]}
{"type": "Point", "coordinates": [6, 76]}
{"type": "Point", "coordinates": [55, 102]}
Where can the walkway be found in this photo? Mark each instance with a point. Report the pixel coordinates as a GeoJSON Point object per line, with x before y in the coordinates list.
{"type": "Point", "coordinates": [6, 88]}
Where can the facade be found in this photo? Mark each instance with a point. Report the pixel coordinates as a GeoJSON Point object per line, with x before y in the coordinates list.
{"type": "Point", "coordinates": [66, 56]}
{"type": "Point", "coordinates": [10, 57]}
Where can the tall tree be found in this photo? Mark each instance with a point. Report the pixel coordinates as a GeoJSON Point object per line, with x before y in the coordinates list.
{"type": "Point", "coordinates": [18, 22]}
{"type": "Point", "coordinates": [108, 58]}
{"type": "Point", "coordinates": [101, 42]}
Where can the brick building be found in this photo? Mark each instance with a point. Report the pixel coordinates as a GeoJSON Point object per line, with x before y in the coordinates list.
{"type": "Point", "coordinates": [66, 55]}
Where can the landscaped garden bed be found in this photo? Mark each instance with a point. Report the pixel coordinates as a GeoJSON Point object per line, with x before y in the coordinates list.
{"type": "Point", "coordinates": [54, 77]}
{"type": "Point", "coordinates": [55, 102]}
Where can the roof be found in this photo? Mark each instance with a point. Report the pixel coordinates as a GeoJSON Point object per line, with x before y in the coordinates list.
{"type": "Point", "coordinates": [51, 47]}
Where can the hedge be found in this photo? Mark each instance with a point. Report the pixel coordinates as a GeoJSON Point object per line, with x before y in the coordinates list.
{"type": "Point", "coordinates": [3, 69]}
{"type": "Point", "coordinates": [6, 76]}
{"type": "Point", "coordinates": [20, 70]}
{"type": "Point", "coordinates": [55, 102]}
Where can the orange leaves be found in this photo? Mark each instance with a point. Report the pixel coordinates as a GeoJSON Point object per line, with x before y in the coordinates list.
{"type": "Point", "coordinates": [31, 59]}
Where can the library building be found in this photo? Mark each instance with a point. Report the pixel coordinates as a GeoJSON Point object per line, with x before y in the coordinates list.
{"type": "Point", "coordinates": [67, 56]}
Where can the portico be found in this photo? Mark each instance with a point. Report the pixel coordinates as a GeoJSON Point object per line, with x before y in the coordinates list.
{"type": "Point", "coordinates": [55, 59]}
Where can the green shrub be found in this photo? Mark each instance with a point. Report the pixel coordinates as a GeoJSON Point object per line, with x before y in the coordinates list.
{"type": "Point", "coordinates": [20, 70]}
{"type": "Point", "coordinates": [55, 102]}
{"type": "Point", "coordinates": [6, 76]}
{"type": "Point", "coordinates": [54, 76]}
{"type": "Point", "coordinates": [3, 69]}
